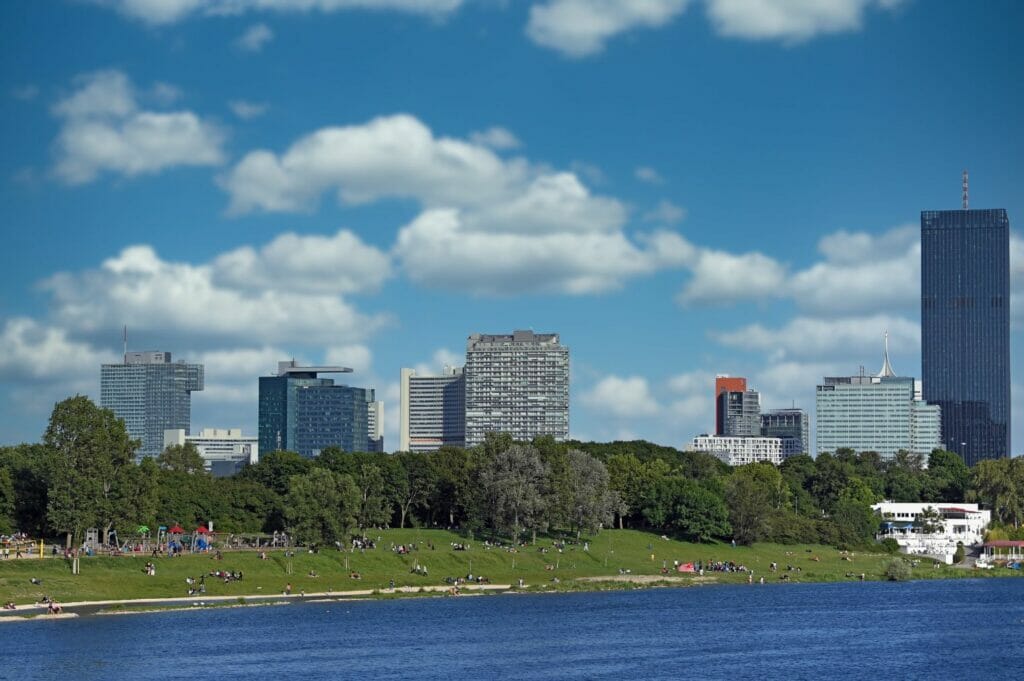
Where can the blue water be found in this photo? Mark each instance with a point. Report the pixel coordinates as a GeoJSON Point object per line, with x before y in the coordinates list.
{"type": "Point", "coordinates": [962, 629]}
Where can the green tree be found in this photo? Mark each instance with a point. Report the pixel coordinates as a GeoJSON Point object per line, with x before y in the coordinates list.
{"type": "Point", "coordinates": [831, 476]}
{"type": "Point", "coordinates": [183, 459]}
{"type": "Point", "coordinates": [275, 469]}
{"type": "Point", "coordinates": [700, 514]}
{"type": "Point", "coordinates": [373, 507]}
{"type": "Point", "coordinates": [929, 520]}
{"type": "Point", "coordinates": [636, 481]}
{"type": "Point", "coordinates": [947, 477]}
{"type": "Point", "coordinates": [511, 483]}
{"type": "Point", "coordinates": [451, 471]}
{"type": "Point", "coordinates": [412, 483]}
{"type": "Point", "coordinates": [91, 455]}
{"type": "Point", "coordinates": [855, 522]}
{"type": "Point", "coordinates": [798, 472]}
{"type": "Point", "coordinates": [905, 477]}
{"type": "Point", "coordinates": [590, 502]}
{"type": "Point", "coordinates": [30, 468]}
{"type": "Point", "coordinates": [6, 502]}
{"type": "Point", "coordinates": [247, 506]}
{"type": "Point", "coordinates": [756, 495]}
{"type": "Point", "coordinates": [897, 570]}
{"type": "Point", "coordinates": [999, 484]}
{"type": "Point", "coordinates": [321, 506]}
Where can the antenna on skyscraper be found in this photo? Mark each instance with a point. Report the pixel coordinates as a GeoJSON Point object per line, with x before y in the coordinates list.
{"type": "Point", "coordinates": [124, 337]}
{"type": "Point", "coordinates": [965, 190]}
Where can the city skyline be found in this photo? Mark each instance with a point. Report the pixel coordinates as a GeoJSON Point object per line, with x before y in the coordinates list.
{"type": "Point", "coordinates": [678, 194]}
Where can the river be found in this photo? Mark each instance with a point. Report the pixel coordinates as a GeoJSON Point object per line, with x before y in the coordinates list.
{"type": "Point", "coordinates": [955, 629]}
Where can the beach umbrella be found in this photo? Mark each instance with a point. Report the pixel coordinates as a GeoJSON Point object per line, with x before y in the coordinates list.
{"type": "Point", "coordinates": [201, 530]}
{"type": "Point", "coordinates": [142, 529]}
{"type": "Point", "coordinates": [176, 530]}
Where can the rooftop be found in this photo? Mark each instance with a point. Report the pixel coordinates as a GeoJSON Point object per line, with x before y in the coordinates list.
{"type": "Point", "coordinates": [292, 368]}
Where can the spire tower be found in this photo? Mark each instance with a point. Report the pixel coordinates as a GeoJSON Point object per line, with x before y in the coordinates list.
{"type": "Point", "coordinates": [886, 371]}
{"type": "Point", "coordinates": [964, 195]}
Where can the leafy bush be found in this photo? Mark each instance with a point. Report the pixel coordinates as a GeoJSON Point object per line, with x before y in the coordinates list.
{"type": "Point", "coordinates": [890, 546]}
{"type": "Point", "coordinates": [898, 570]}
{"type": "Point", "coordinates": [958, 556]}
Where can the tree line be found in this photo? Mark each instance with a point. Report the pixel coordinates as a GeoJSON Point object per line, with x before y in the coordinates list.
{"type": "Point", "coordinates": [83, 474]}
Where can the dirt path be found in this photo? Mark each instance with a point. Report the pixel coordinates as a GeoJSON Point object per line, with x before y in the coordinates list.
{"type": "Point", "coordinates": [649, 579]}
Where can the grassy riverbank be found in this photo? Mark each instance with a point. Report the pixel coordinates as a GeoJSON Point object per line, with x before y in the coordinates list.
{"type": "Point", "coordinates": [610, 552]}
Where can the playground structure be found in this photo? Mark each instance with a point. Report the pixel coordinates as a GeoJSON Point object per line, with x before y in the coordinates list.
{"type": "Point", "coordinates": [20, 546]}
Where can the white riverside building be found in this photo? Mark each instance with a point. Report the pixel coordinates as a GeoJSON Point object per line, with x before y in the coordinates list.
{"type": "Point", "coordinates": [880, 413]}
{"type": "Point", "coordinates": [964, 523]}
{"type": "Point", "coordinates": [225, 450]}
{"type": "Point", "coordinates": [738, 451]}
{"type": "Point", "coordinates": [518, 384]}
{"type": "Point", "coordinates": [432, 411]}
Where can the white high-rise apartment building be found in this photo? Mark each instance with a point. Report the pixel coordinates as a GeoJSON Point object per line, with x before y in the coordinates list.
{"type": "Point", "coordinates": [432, 412]}
{"type": "Point", "coordinates": [738, 450]}
{"type": "Point", "coordinates": [518, 384]}
{"type": "Point", "coordinates": [375, 426]}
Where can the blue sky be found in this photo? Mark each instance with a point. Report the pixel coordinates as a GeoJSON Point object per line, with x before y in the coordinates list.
{"type": "Point", "coordinates": [678, 188]}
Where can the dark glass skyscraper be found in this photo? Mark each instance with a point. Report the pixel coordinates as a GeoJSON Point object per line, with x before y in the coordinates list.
{"type": "Point", "coordinates": [965, 328]}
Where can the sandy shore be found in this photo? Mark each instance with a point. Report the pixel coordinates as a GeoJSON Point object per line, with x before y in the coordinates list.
{"type": "Point", "coordinates": [33, 613]}
{"type": "Point", "coordinates": [649, 579]}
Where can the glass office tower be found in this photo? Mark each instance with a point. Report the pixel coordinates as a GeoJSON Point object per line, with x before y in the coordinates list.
{"type": "Point", "coordinates": [151, 394]}
{"type": "Point", "coordinates": [965, 328]}
{"type": "Point", "coordinates": [301, 412]}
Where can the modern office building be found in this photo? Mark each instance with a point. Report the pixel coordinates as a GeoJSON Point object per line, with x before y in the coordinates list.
{"type": "Point", "coordinates": [375, 426]}
{"type": "Point", "coordinates": [432, 410]}
{"type": "Point", "coordinates": [725, 384]}
{"type": "Point", "coordinates": [877, 414]}
{"type": "Point", "coordinates": [738, 451]}
{"type": "Point", "coordinates": [301, 412]}
{"type": "Point", "coordinates": [965, 327]}
{"type": "Point", "coordinates": [788, 424]}
{"type": "Point", "coordinates": [739, 413]}
{"type": "Point", "coordinates": [151, 394]}
{"type": "Point", "coordinates": [225, 450]}
{"type": "Point", "coordinates": [518, 384]}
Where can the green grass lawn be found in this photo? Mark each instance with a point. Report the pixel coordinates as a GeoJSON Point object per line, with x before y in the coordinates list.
{"type": "Point", "coordinates": [106, 578]}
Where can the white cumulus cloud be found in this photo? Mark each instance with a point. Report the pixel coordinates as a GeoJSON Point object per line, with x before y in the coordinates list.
{"type": "Point", "coordinates": [810, 338]}
{"type": "Point", "coordinates": [438, 249]}
{"type": "Point", "coordinates": [496, 138]}
{"type": "Point", "coordinates": [580, 28]}
{"type": "Point", "coordinates": [649, 175]}
{"type": "Point", "coordinates": [247, 110]}
{"type": "Point", "coordinates": [622, 397]}
{"type": "Point", "coordinates": [161, 12]}
{"type": "Point", "coordinates": [254, 38]}
{"type": "Point", "coordinates": [789, 20]}
{"type": "Point", "coordinates": [104, 130]}
{"type": "Point", "coordinates": [140, 288]}
{"type": "Point", "coordinates": [341, 263]}
{"type": "Point", "coordinates": [489, 225]}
